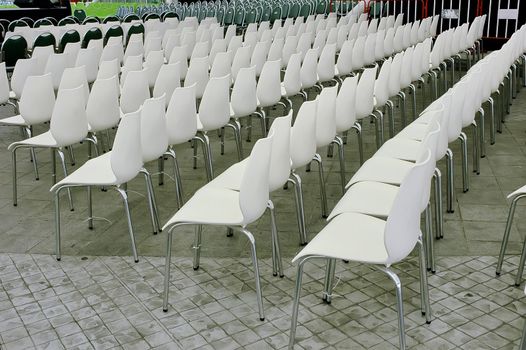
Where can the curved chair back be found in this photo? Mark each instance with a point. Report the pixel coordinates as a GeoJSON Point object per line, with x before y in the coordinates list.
{"type": "Point", "coordinates": [56, 64]}
{"type": "Point", "coordinates": [244, 95]}
{"type": "Point", "coordinates": [97, 45]}
{"type": "Point", "coordinates": [381, 85]}
{"type": "Point", "coordinates": [73, 77]}
{"type": "Point", "coordinates": [326, 116]}
{"type": "Point", "coordinates": [241, 60]}
{"type": "Point", "coordinates": [45, 39]}
{"type": "Point", "coordinates": [198, 74]}
{"type": "Point", "coordinates": [126, 154]}
{"type": "Point", "coordinates": [218, 45]}
{"type": "Point", "coordinates": [37, 99]}
{"type": "Point", "coordinates": [214, 109]}
{"type": "Point", "coordinates": [394, 74]}
{"type": "Point", "coordinates": [135, 91]}
{"type": "Point", "coordinates": [398, 41]}
{"type": "Point", "coordinates": [379, 52]}
{"type": "Point", "coordinates": [280, 159]}
{"type": "Point", "coordinates": [326, 63]}
{"type": "Point", "coordinates": [345, 104]}
{"type": "Point", "coordinates": [254, 189]}
{"type": "Point", "coordinates": [13, 49]}
{"type": "Point", "coordinates": [292, 77]}
{"type": "Point", "coordinates": [259, 56]}
{"type": "Point", "coordinates": [405, 74]}
{"type": "Point", "coordinates": [358, 53]}
{"type": "Point", "coordinates": [269, 84]}
{"type": "Point", "coordinates": [111, 52]}
{"type": "Point", "coordinates": [289, 48]}
{"type": "Point", "coordinates": [23, 69]}
{"type": "Point", "coordinates": [364, 93]}
{"type": "Point", "coordinates": [222, 64]}
{"type": "Point", "coordinates": [154, 138]}
{"type": "Point", "coordinates": [181, 115]}
{"type": "Point", "coordinates": [88, 59]}
{"type": "Point", "coordinates": [103, 104]}
{"type": "Point", "coordinates": [153, 63]}
{"type": "Point", "coordinates": [108, 69]}
{"type": "Point", "coordinates": [402, 228]}
{"type": "Point", "coordinates": [4, 84]}
{"type": "Point", "coordinates": [179, 54]}
{"type": "Point", "coordinates": [309, 76]}
{"type": "Point", "coordinates": [303, 135]}
{"type": "Point", "coordinates": [369, 55]}
{"type": "Point", "coordinates": [43, 53]}
{"type": "Point", "coordinates": [168, 79]}
{"type": "Point", "coordinates": [69, 124]}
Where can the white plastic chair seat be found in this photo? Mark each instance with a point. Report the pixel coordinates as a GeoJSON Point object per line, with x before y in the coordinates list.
{"type": "Point", "coordinates": [230, 178]}
{"type": "Point", "coordinates": [375, 170]}
{"type": "Point", "coordinates": [210, 206]}
{"type": "Point", "coordinates": [15, 120]}
{"type": "Point", "coordinates": [414, 131]}
{"type": "Point", "coordinates": [400, 148]}
{"type": "Point", "coordinates": [42, 140]}
{"type": "Point", "coordinates": [350, 236]}
{"type": "Point", "coordinates": [371, 198]}
{"type": "Point", "coordinates": [96, 171]}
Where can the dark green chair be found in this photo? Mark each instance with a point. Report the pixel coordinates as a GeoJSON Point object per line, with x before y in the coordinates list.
{"type": "Point", "coordinates": [136, 28]}
{"type": "Point", "coordinates": [131, 17]}
{"type": "Point", "coordinates": [169, 14]}
{"type": "Point", "coordinates": [220, 15]}
{"type": "Point", "coordinates": [229, 16]}
{"type": "Point", "coordinates": [80, 14]}
{"type": "Point", "coordinates": [42, 22]}
{"type": "Point", "coordinates": [375, 10]}
{"type": "Point", "coordinates": [285, 8]}
{"type": "Point", "coordinates": [4, 25]}
{"type": "Point", "coordinates": [259, 13]}
{"type": "Point", "coordinates": [111, 19]}
{"type": "Point", "coordinates": [92, 34]}
{"type": "Point", "coordinates": [52, 20]}
{"type": "Point", "coordinates": [305, 10]}
{"type": "Point", "coordinates": [71, 36]}
{"type": "Point", "coordinates": [294, 11]}
{"type": "Point", "coordinates": [239, 17]}
{"type": "Point", "coordinates": [45, 39]}
{"type": "Point", "coordinates": [148, 16]}
{"type": "Point", "coordinates": [211, 12]}
{"type": "Point", "coordinates": [66, 20]}
{"type": "Point", "coordinates": [251, 16]}
{"type": "Point", "coordinates": [267, 12]}
{"type": "Point", "coordinates": [276, 14]}
{"type": "Point", "coordinates": [13, 48]}
{"type": "Point", "coordinates": [17, 23]}
{"type": "Point", "coordinates": [30, 22]}
{"type": "Point", "coordinates": [115, 30]}
{"type": "Point", "coordinates": [321, 8]}
{"type": "Point", "coordinates": [91, 20]}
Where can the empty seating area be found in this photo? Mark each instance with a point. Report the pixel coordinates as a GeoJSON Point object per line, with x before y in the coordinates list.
{"type": "Point", "coordinates": [261, 175]}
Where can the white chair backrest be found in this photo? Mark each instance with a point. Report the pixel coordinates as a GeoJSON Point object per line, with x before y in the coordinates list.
{"type": "Point", "coordinates": [259, 56]}
{"type": "Point", "coordinates": [154, 138]}
{"type": "Point", "coordinates": [244, 96]}
{"type": "Point", "coordinates": [74, 77]}
{"type": "Point", "coordinates": [309, 75]}
{"type": "Point", "coordinates": [345, 104]}
{"type": "Point", "coordinates": [168, 79]}
{"type": "Point", "coordinates": [24, 68]}
{"type": "Point", "coordinates": [358, 52]}
{"type": "Point", "coordinates": [108, 69]}
{"type": "Point", "coordinates": [198, 74]}
{"type": "Point", "coordinates": [241, 60]}
{"type": "Point", "coordinates": [303, 135]}
{"type": "Point", "coordinates": [214, 109]}
{"type": "Point", "coordinates": [69, 124]}
{"type": "Point", "coordinates": [381, 85]}
{"type": "Point", "coordinates": [179, 54]}
{"type": "Point", "coordinates": [269, 84]}
{"type": "Point", "coordinates": [102, 109]}
{"type": "Point", "coordinates": [126, 154]}
{"type": "Point", "coordinates": [280, 159]}
{"type": "Point", "coordinates": [181, 115]}
{"type": "Point", "coordinates": [254, 189]}
{"type": "Point", "coordinates": [135, 91]}
{"type": "Point", "coordinates": [37, 99]}
{"type": "Point", "coordinates": [326, 63]}
{"type": "Point", "coordinates": [88, 59]}
{"type": "Point", "coordinates": [292, 77]}
{"type": "Point", "coordinates": [364, 93]}
{"type": "Point", "coordinates": [55, 65]}
{"type": "Point", "coordinates": [344, 62]}
{"type": "Point", "coordinates": [326, 116]}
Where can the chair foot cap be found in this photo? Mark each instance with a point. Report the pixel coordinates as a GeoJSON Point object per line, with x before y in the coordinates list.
{"type": "Point", "coordinates": [262, 318]}
{"type": "Point", "coordinates": [165, 310]}
{"type": "Point", "coordinates": [136, 261]}
{"type": "Point", "coordinates": [492, 143]}
{"type": "Point", "coordinates": [450, 211]}
{"type": "Point", "coordinates": [155, 233]}
{"type": "Point", "coordinates": [465, 191]}
{"type": "Point", "coordinates": [37, 178]}
{"type": "Point", "coordinates": [433, 271]}
{"type": "Point", "coordinates": [517, 284]}
{"type": "Point", "coordinates": [428, 322]}
{"type": "Point", "coordinates": [58, 259]}
{"type": "Point", "coordinates": [15, 205]}
{"type": "Point", "coordinates": [274, 274]}
{"type": "Point", "coordinates": [497, 273]}
{"type": "Point", "coordinates": [90, 228]}
{"type": "Point", "coordinates": [196, 268]}
{"type": "Point", "coordinates": [281, 276]}
{"type": "Point", "coordinates": [484, 156]}
{"type": "Point", "coordinates": [72, 209]}
{"type": "Point", "coordinates": [325, 216]}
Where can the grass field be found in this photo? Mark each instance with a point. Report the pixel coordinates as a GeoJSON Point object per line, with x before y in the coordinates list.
{"type": "Point", "coordinates": [98, 9]}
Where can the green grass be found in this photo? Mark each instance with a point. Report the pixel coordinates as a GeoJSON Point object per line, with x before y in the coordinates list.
{"type": "Point", "coordinates": [105, 9]}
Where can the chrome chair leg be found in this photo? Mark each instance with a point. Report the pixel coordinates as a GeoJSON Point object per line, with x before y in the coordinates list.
{"type": "Point", "coordinates": [329, 278]}
{"type": "Point", "coordinates": [160, 169]}
{"type": "Point", "coordinates": [439, 217]}
{"type": "Point", "coordinates": [236, 128]}
{"type": "Point", "coordinates": [379, 126]}
{"type": "Point", "coordinates": [317, 158]}
{"type": "Point", "coordinates": [256, 271]}
{"type": "Point", "coordinates": [412, 88]}
{"type": "Point", "coordinates": [390, 107]}
{"type": "Point", "coordinates": [300, 211]}
{"type": "Point", "coordinates": [482, 132]}
{"type": "Point", "coordinates": [429, 239]}
{"type": "Point", "coordinates": [507, 232]}
{"type": "Point", "coordinates": [124, 196]}
{"type": "Point", "coordinates": [32, 153]}
{"type": "Point", "coordinates": [296, 301]}
{"type": "Point", "coordinates": [476, 148]}
{"type": "Point", "coordinates": [57, 224]}
{"type": "Point", "coordinates": [65, 170]}
{"type": "Point", "coordinates": [197, 246]}
{"type": "Point", "coordinates": [90, 209]}
{"type": "Point", "coordinates": [339, 142]}
{"type": "Point", "coordinates": [358, 129]}
{"type": "Point", "coordinates": [492, 125]}
{"type": "Point", "coordinates": [424, 286]}
{"type": "Point", "coordinates": [177, 177]}
{"type": "Point", "coordinates": [399, 304]}
{"type": "Point", "coordinates": [151, 204]}
{"type": "Point", "coordinates": [522, 260]}
{"type": "Point", "coordinates": [401, 96]}
{"type": "Point", "coordinates": [450, 181]}
{"type": "Point", "coordinates": [465, 178]}
{"type": "Point", "coordinates": [276, 250]}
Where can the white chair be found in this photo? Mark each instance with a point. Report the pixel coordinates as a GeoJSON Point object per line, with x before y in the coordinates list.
{"type": "Point", "coordinates": [259, 56]}
{"type": "Point", "coordinates": [221, 65]}
{"type": "Point", "coordinates": [179, 55]}
{"type": "Point", "coordinates": [326, 64]}
{"type": "Point", "coordinates": [291, 85]}
{"type": "Point", "coordinates": [152, 64]}
{"type": "Point", "coordinates": [237, 210]}
{"type": "Point", "coordinates": [243, 100]}
{"type": "Point", "coordinates": [346, 114]}
{"type": "Point", "coordinates": [113, 169]}
{"type": "Point", "coordinates": [88, 59]}
{"type": "Point", "coordinates": [108, 69]}
{"type": "Point", "coordinates": [308, 72]}
{"type": "Point", "coordinates": [135, 91]}
{"type": "Point", "coordinates": [111, 52]}
{"type": "Point", "coordinates": [241, 60]}
{"type": "Point", "coordinates": [370, 240]}
{"type": "Point", "coordinates": [75, 77]}
{"type": "Point", "coordinates": [365, 103]}
{"type": "Point", "coordinates": [68, 126]}
{"type": "Point", "coordinates": [55, 65]}
{"type": "Point", "coordinates": [269, 87]}
{"type": "Point", "coordinates": [168, 79]}
{"type": "Point", "coordinates": [102, 109]}
{"type": "Point", "coordinates": [198, 74]}
{"type": "Point", "coordinates": [24, 68]}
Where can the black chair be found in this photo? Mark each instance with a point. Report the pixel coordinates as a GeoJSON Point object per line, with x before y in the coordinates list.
{"type": "Point", "coordinates": [92, 34]}
{"type": "Point", "coordinates": [169, 14]}
{"type": "Point", "coordinates": [17, 23]}
{"type": "Point", "coordinates": [131, 17]}
{"type": "Point", "coordinates": [71, 36]}
{"type": "Point", "coordinates": [136, 28]}
{"type": "Point", "coordinates": [91, 19]}
{"type": "Point", "coordinates": [111, 19]}
{"type": "Point", "coordinates": [45, 39]}
{"type": "Point", "coordinates": [80, 14]}
{"type": "Point", "coordinates": [42, 22]}
{"type": "Point", "coordinates": [52, 20]}
{"type": "Point", "coordinates": [13, 48]}
{"type": "Point", "coordinates": [66, 20]}
{"type": "Point", "coordinates": [115, 30]}
{"type": "Point", "coordinates": [29, 21]}
{"type": "Point", "coordinates": [148, 16]}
